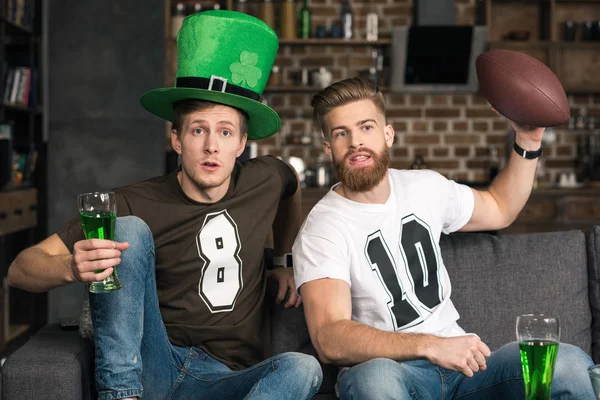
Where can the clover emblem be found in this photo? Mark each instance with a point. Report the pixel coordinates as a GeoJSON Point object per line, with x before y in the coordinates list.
{"type": "Point", "coordinates": [246, 70]}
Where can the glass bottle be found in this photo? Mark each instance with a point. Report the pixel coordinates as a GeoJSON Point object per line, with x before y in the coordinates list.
{"type": "Point", "coordinates": [267, 13]}
{"type": "Point", "coordinates": [304, 20]}
{"type": "Point", "coordinates": [347, 20]}
{"type": "Point", "coordinates": [372, 24]}
{"type": "Point", "coordinates": [288, 19]}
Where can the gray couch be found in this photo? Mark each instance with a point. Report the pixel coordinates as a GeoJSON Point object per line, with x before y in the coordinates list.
{"type": "Point", "coordinates": [494, 278]}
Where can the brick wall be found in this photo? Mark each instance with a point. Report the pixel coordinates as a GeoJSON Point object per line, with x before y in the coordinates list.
{"type": "Point", "coordinates": [452, 132]}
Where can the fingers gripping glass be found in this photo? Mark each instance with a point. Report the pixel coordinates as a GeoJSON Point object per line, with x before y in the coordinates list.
{"type": "Point", "coordinates": [98, 213]}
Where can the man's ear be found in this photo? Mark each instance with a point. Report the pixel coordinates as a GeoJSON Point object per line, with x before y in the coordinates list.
{"type": "Point", "coordinates": [175, 141]}
{"type": "Point", "coordinates": [327, 149]}
{"type": "Point", "coordinates": [242, 144]}
{"type": "Point", "coordinates": [389, 133]}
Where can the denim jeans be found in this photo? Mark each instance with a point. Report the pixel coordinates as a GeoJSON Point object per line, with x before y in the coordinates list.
{"type": "Point", "coordinates": [382, 378]}
{"type": "Point", "coordinates": [135, 358]}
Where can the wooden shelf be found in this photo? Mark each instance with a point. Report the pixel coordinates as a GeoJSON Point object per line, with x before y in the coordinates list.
{"type": "Point", "coordinates": [291, 89]}
{"type": "Point", "coordinates": [564, 45]}
{"type": "Point", "coordinates": [544, 44]}
{"type": "Point", "coordinates": [14, 28]}
{"type": "Point", "coordinates": [300, 89]}
{"type": "Point", "coordinates": [323, 42]}
{"type": "Point", "coordinates": [584, 90]}
{"type": "Point", "coordinates": [334, 42]}
{"type": "Point", "coordinates": [18, 107]}
{"type": "Point", "coordinates": [515, 44]}
{"type": "Point", "coordinates": [18, 210]}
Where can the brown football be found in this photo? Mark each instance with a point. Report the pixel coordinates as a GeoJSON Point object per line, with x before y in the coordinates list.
{"type": "Point", "coordinates": [522, 89]}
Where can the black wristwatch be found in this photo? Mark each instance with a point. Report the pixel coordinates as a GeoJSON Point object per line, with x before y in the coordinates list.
{"type": "Point", "coordinates": [528, 154]}
{"type": "Point", "coordinates": [272, 262]}
{"type": "Point", "coordinates": [285, 261]}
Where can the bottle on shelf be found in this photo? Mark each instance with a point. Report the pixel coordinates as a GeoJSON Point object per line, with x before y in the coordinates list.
{"type": "Point", "coordinates": [267, 13]}
{"type": "Point", "coordinates": [480, 19]}
{"type": "Point", "coordinates": [288, 19]}
{"type": "Point", "coordinates": [304, 30]}
{"type": "Point", "coordinates": [372, 24]}
{"type": "Point", "coordinates": [347, 20]}
{"type": "Point", "coordinates": [177, 18]}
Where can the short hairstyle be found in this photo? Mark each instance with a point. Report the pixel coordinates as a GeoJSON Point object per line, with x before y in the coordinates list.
{"type": "Point", "coordinates": [343, 92]}
{"type": "Point", "coordinates": [183, 108]}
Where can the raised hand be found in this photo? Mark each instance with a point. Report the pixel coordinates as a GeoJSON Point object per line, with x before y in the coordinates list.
{"type": "Point", "coordinates": [95, 255]}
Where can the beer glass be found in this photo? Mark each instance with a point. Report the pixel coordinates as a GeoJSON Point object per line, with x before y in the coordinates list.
{"type": "Point", "coordinates": [594, 372]}
{"type": "Point", "coordinates": [538, 337]}
{"type": "Point", "coordinates": [98, 213]}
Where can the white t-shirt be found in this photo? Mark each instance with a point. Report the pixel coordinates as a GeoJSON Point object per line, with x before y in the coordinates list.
{"type": "Point", "coordinates": [389, 253]}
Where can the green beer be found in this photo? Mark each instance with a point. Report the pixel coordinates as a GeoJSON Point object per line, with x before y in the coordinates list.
{"type": "Point", "coordinates": [98, 214]}
{"type": "Point", "coordinates": [98, 224]}
{"type": "Point", "coordinates": [538, 358]}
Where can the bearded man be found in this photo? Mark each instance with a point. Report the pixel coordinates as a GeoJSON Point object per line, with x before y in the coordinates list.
{"type": "Point", "coordinates": [368, 265]}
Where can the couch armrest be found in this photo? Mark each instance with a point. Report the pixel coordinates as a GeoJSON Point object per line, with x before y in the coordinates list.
{"type": "Point", "coordinates": [53, 364]}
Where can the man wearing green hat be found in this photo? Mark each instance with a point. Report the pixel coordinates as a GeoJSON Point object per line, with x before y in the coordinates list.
{"type": "Point", "coordinates": [190, 321]}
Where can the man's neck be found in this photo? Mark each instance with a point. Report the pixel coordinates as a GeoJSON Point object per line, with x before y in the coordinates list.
{"type": "Point", "coordinates": [201, 195]}
{"type": "Point", "coordinates": [378, 195]}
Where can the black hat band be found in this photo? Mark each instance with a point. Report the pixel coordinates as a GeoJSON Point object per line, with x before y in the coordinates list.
{"type": "Point", "coordinates": [217, 84]}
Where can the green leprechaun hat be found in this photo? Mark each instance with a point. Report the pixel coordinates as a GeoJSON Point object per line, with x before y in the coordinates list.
{"type": "Point", "coordinates": [224, 57]}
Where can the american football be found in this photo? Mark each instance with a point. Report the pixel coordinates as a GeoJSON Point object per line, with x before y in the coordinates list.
{"type": "Point", "coordinates": [522, 89]}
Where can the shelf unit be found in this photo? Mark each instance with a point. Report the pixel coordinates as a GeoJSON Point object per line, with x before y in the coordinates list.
{"type": "Point", "coordinates": [575, 62]}
{"type": "Point", "coordinates": [170, 63]}
{"type": "Point", "coordinates": [22, 203]}
{"type": "Point", "coordinates": [334, 42]}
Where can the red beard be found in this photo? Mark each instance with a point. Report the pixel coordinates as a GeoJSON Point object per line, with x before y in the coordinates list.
{"type": "Point", "coordinates": [363, 179]}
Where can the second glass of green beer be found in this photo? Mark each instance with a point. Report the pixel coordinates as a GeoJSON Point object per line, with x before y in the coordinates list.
{"type": "Point", "coordinates": [98, 213]}
{"type": "Point", "coordinates": [538, 337]}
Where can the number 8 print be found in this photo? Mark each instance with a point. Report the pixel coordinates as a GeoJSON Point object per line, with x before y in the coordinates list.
{"type": "Point", "coordinates": [219, 245]}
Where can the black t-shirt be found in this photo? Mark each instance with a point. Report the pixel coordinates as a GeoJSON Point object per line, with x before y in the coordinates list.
{"type": "Point", "coordinates": [209, 257]}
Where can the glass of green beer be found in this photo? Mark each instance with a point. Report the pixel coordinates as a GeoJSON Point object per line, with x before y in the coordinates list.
{"type": "Point", "coordinates": [538, 337]}
{"type": "Point", "coordinates": [98, 213]}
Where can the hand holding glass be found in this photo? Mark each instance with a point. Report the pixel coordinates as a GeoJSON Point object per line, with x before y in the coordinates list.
{"type": "Point", "coordinates": [538, 337]}
{"type": "Point", "coordinates": [98, 213]}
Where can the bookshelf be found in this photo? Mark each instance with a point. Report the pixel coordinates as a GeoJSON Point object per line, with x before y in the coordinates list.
{"type": "Point", "coordinates": [23, 136]}
{"type": "Point", "coordinates": [571, 52]}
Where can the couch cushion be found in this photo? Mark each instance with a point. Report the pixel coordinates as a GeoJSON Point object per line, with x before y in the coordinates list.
{"type": "Point", "coordinates": [53, 364]}
{"type": "Point", "coordinates": [593, 246]}
{"type": "Point", "coordinates": [496, 278]}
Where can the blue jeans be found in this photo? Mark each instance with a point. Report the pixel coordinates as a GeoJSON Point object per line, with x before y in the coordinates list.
{"type": "Point", "coordinates": [382, 378]}
{"type": "Point", "coordinates": [134, 356]}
